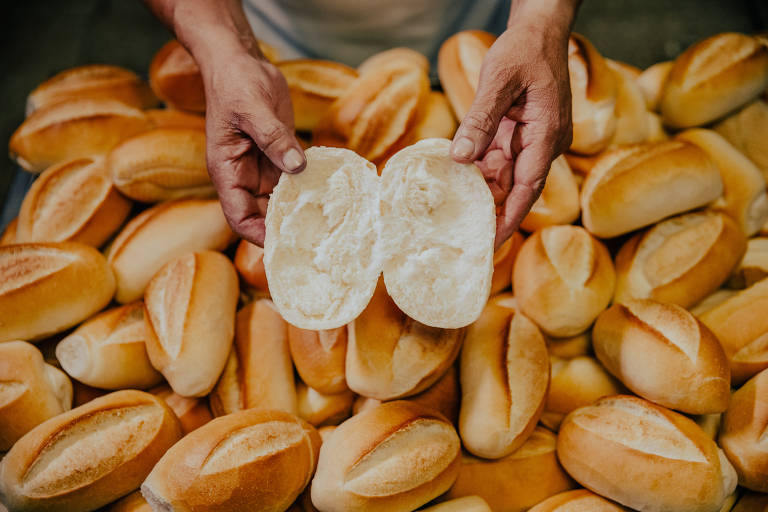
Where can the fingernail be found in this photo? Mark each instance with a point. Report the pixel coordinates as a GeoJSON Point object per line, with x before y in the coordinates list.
{"type": "Point", "coordinates": [292, 160]}
{"type": "Point", "coordinates": [463, 148]}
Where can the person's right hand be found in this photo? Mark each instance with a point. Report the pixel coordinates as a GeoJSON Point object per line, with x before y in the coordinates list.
{"type": "Point", "coordinates": [250, 138]}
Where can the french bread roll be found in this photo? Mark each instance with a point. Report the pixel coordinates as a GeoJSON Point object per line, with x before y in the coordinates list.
{"type": "Point", "coordinates": [635, 186]}
{"type": "Point", "coordinates": [680, 260]}
{"type": "Point", "coordinates": [664, 354]}
{"type": "Point", "coordinates": [714, 77]}
{"type": "Point", "coordinates": [242, 462]}
{"type": "Point", "coordinates": [88, 457]}
{"type": "Point", "coordinates": [710, 301]}
{"type": "Point", "coordinates": [458, 66]}
{"type": "Point", "coordinates": [258, 372]}
{"type": "Point", "coordinates": [320, 357]}
{"type": "Point", "coordinates": [571, 347]}
{"type": "Point", "coordinates": [172, 118]}
{"type": "Point", "coordinates": [504, 261]}
{"type": "Point", "coordinates": [593, 97]}
{"type": "Point", "coordinates": [744, 197]}
{"type": "Point", "coordinates": [249, 263]}
{"type": "Point", "coordinates": [321, 409]}
{"type": "Point", "coordinates": [656, 131]}
{"type": "Point", "coordinates": [161, 164]}
{"type": "Point", "coordinates": [31, 391]}
{"type": "Point", "coordinates": [577, 501]}
{"type": "Point", "coordinates": [753, 266]}
{"type": "Point", "coordinates": [73, 201]}
{"type": "Point", "coordinates": [73, 129]}
{"type": "Point", "coordinates": [133, 502]}
{"type": "Point", "coordinates": [8, 236]}
{"type": "Point", "coordinates": [193, 413]}
{"type": "Point", "coordinates": [518, 481]}
{"type": "Point", "coordinates": [438, 120]}
{"type": "Point", "coordinates": [108, 351]}
{"type": "Point", "coordinates": [465, 504]}
{"type": "Point", "coordinates": [744, 131]}
{"type": "Point", "coordinates": [314, 85]}
{"type": "Point", "coordinates": [632, 120]}
{"type": "Point", "coordinates": [394, 457]}
{"type": "Point", "coordinates": [95, 81]}
{"type": "Point", "coordinates": [391, 356]}
{"type": "Point", "coordinates": [651, 82]}
{"type": "Point", "coordinates": [49, 287]}
{"type": "Point", "coordinates": [176, 79]}
{"type": "Point", "coordinates": [160, 234]}
{"type": "Point", "coordinates": [563, 278]}
{"type": "Point", "coordinates": [752, 502]}
{"type": "Point", "coordinates": [644, 456]}
{"type": "Point", "coordinates": [504, 380]}
{"type": "Point", "coordinates": [400, 56]}
{"type": "Point", "coordinates": [559, 199]}
{"type": "Point", "coordinates": [743, 433]}
{"type": "Point", "coordinates": [189, 310]}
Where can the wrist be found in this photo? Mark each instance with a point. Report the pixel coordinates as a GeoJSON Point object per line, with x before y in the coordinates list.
{"type": "Point", "coordinates": [549, 18]}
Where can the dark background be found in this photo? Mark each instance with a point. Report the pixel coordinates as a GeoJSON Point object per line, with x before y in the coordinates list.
{"type": "Point", "coordinates": [41, 37]}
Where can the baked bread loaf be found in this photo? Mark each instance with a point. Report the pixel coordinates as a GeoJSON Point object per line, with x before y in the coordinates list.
{"type": "Point", "coordinates": [563, 278]}
{"type": "Point", "coordinates": [74, 201]}
{"type": "Point", "coordinates": [458, 66]}
{"type": "Point", "coordinates": [559, 199]}
{"type": "Point", "coordinates": [400, 56]}
{"type": "Point", "coordinates": [664, 354]}
{"type": "Point", "coordinates": [96, 81]}
{"type": "Point", "coordinates": [108, 351]}
{"type": "Point", "coordinates": [465, 504]}
{"type": "Point", "coordinates": [242, 462]}
{"type": "Point", "coordinates": [391, 356]}
{"type": "Point", "coordinates": [632, 187]}
{"type": "Point", "coordinates": [504, 261]}
{"type": "Point", "coordinates": [712, 300]}
{"type": "Point", "coordinates": [518, 481]}
{"type": "Point", "coordinates": [161, 164]}
{"type": "Point", "coordinates": [320, 357]}
{"type": "Point", "coordinates": [160, 234]}
{"type": "Point", "coordinates": [176, 79]}
{"type": "Point", "coordinates": [249, 262]}
{"type": "Point", "coordinates": [644, 456]}
{"type": "Point", "coordinates": [31, 391]}
{"type": "Point", "coordinates": [438, 120]}
{"type": "Point", "coordinates": [571, 347]}
{"type": "Point", "coordinates": [172, 118]}
{"type": "Point", "coordinates": [193, 413]}
{"type": "Point", "coordinates": [88, 457]}
{"type": "Point", "coordinates": [753, 266]}
{"type": "Point", "coordinates": [577, 501]}
{"type": "Point", "coordinates": [258, 372]}
{"type": "Point", "coordinates": [714, 77]}
{"type": "Point", "coordinates": [651, 82]}
{"type": "Point", "coordinates": [680, 260]}
{"type": "Point", "coordinates": [189, 310]}
{"type": "Point", "coordinates": [744, 197]}
{"type": "Point", "coordinates": [74, 129]}
{"type": "Point", "coordinates": [47, 288]}
{"type": "Point", "coordinates": [743, 433]}
{"type": "Point", "coordinates": [744, 131]}
{"type": "Point", "coordinates": [632, 120]}
{"type": "Point", "coordinates": [8, 236]}
{"type": "Point", "coordinates": [504, 380]}
{"type": "Point", "coordinates": [394, 457]}
{"type": "Point", "coordinates": [134, 502]}
{"type": "Point", "coordinates": [321, 409]}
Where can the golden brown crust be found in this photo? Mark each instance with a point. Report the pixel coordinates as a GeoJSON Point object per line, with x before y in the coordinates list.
{"type": "Point", "coordinates": [134, 502]}
{"type": "Point", "coordinates": [503, 262]}
{"type": "Point", "coordinates": [249, 262]}
{"type": "Point", "coordinates": [176, 79]}
{"type": "Point", "coordinates": [651, 82]}
{"type": "Point", "coordinates": [458, 66]}
{"type": "Point", "coordinates": [559, 200]}
{"type": "Point", "coordinates": [320, 409]}
{"type": "Point", "coordinates": [753, 266]}
{"type": "Point", "coordinates": [172, 118]}
{"type": "Point", "coordinates": [9, 233]}
{"type": "Point", "coordinates": [576, 501]}
{"type": "Point", "coordinates": [745, 130]}
{"type": "Point", "coordinates": [319, 357]}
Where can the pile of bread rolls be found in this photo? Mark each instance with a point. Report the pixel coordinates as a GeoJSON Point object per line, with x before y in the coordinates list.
{"type": "Point", "coordinates": [620, 363]}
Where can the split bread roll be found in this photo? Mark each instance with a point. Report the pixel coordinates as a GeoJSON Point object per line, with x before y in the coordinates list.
{"type": "Point", "coordinates": [74, 129]}
{"type": "Point", "coordinates": [644, 456]}
{"type": "Point", "coordinates": [88, 457]}
{"type": "Point", "coordinates": [559, 199]}
{"type": "Point", "coordinates": [744, 197]}
{"type": "Point", "coordinates": [635, 186]}
{"type": "Point", "coordinates": [753, 266]}
{"type": "Point", "coordinates": [95, 81]}
{"type": "Point", "coordinates": [31, 391]}
{"type": "Point", "coordinates": [458, 66]}
{"type": "Point", "coordinates": [746, 130]}
{"type": "Point", "coordinates": [504, 261]}
{"type": "Point", "coordinates": [108, 351]}
{"type": "Point", "coordinates": [193, 413]}
{"type": "Point", "coordinates": [394, 457]}
{"type": "Point", "coordinates": [429, 222]}
{"type": "Point", "coordinates": [134, 502]}
{"type": "Point", "coordinates": [391, 356]}
{"type": "Point", "coordinates": [580, 500]}
{"type": "Point", "coordinates": [518, 481]}
{"type": "Point", "coordinates": [466, 504]}
{"type": "Point", "coordinates": [504, 380]}
{"type": "Point", "coordinates": [47, 288]}
{"type": "Point", "coordinates": [160, 234]}
{"type": "Point", "coordinates": [74, 201]}
{"type": "Point", "coordinates": [161, 164]}
{"type": "Point", "coordinates": [664, 354]}
{"type": "Point", "coordinates": [176, 79]}
{"type": "Point", "coordinates": [714, 77]}
{"type": "Point", "coordinates": [632, 120]}
{"type": "Point", "coordinates": [320, 357]}
{"type": "Point", "coordinates": [563, 278]}
{"type": "Point", "coordinates": [651, 82]}
{"type": "Point", "coordinates": [242, 462]}
{"type": "Point", "coordinates": [743, 433]}
{"type": "Point", "coordinates": [322, 409]}
{"type": "Point", "coordinates": [189, 310]}
{"type": "Point", "coordinates": [249, 262]}
{"type": "Point", "coordinates": [679, 260]}
{"type": "Point", "coordinates": [258, 372]}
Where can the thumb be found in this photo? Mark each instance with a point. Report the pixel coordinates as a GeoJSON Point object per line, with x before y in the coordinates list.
{"type": "Point", "coordinates": [275, 139]}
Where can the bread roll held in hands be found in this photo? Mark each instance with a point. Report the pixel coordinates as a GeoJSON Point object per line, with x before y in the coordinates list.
{"type": "Point", "coordinates": [753, 266]}
{"type": "Point", "coordinates": [258, 372]}
{"type": "Point", "coordinates": [73, 201]}
{"type": "Point", "coordinates": [193, 413]}
{"type": "Point", "coordinates": [559, 199]}
{"type": "Point", "coordinates": [635, 186]}
{"type": "Point", "coordinates": [580, 500]}
{"type": "Point", "coordinates": [190, 315]}
{"type": "Point", "coordinates": [88, 457]}
{"type": "Point", "coordinates": [458, 65]}
{"type": "Point", "coordinates": [46, 288]}
{"type": "Point", "coordinates": [651, 82]}
{"type": "Point", "coordinates": [249, 263]}
{"type": "Point", "coordinates": [160, 234]}
{"type": "Point", "coordinates": [323, 409]}
{"type": "Point", "coordinates": [504, 380]}
{"type": "Point", "coordinates": [242, 462]}
{"type": "Point", "coordinates": [679, 260]}
{"type": "Point", "coordinates": [563, 279]}
{"type": "Point", "coordinates": [644, 456]}
{"type": "Point", "coordinates": [394, 457]}
{"type": "Point", "coordinates": [745, 130]}
{"type": "Point", "coordinates": [714, 77]}
{"type": "Point", "coordinates": [176, 79]}
{"type": "Point", "coordinates": [31, 391]}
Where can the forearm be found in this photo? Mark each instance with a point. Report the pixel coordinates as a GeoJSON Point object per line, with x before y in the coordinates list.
{"type": "Point", "coordinates": [550, 16]}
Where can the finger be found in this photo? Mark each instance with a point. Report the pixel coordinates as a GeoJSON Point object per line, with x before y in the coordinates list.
{"type": "Point", "coordinates": [244, 213]}
{"type": "Point", "coordinates": [275, 139]}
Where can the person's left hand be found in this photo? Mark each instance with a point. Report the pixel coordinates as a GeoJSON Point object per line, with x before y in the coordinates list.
{"type": "Point", "coordinates": [520, 120]}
